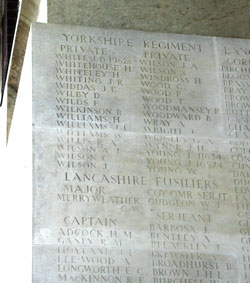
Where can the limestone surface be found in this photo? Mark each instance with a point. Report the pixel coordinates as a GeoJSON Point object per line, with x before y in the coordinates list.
{"type": "Point", "coordinates": [141, 156]}
{"type": "Point", "coordinates": [226, 18]}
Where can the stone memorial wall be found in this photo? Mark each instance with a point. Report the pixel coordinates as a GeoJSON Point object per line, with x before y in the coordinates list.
{"type": "Point", "coordinates": [141, 157]}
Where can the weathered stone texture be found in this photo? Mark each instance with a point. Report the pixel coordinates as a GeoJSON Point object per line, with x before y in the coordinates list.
{"type": "Point", "coordinates": [141, 156]}
{"type": "Point", "coordinates": [227, 18]}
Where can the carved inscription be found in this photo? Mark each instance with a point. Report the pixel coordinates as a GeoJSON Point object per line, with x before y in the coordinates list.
{"type": "Point", "coordinates": [235, 73]}
{"type": "Point", "coordinates": [167, 69]}
{"type": "Point", "coordinates": [141, 159]}
{"type": "Point", "coordinates": [240, 162]}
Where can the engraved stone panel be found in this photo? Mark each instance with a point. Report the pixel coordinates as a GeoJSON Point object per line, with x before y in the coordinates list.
{"type": "Point", "coordinates": [137, 176]}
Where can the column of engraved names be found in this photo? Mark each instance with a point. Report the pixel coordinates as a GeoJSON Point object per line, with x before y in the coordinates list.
{"type": "Point", "coordinates": [82, 80]}
{"type": "Point", "coordinates": [186, 207]}
{"type": "Point", "coordinates": [168, 71]}
{"type": "Point", "coordinates": [235, 76]}
{"type": "Point", "coordinates": [240, 162]}
{"type": "Point", "coordinates": [172, 89]}
{"type": "Point", "coordinates": [89, 132]}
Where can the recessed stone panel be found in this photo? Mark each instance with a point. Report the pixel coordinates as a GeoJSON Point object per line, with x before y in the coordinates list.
{"type": "Point", "coordinates": [136, 178]}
